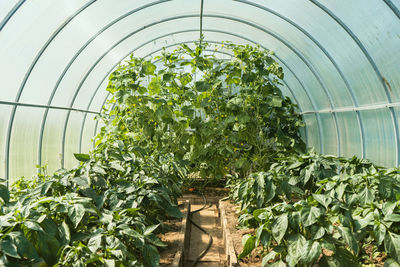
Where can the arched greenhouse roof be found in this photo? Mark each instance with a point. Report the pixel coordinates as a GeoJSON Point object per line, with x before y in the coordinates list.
{"type": "Point", "coordinates": [340, 59]}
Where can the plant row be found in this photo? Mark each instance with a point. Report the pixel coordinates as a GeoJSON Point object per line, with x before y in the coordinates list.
{"type": "Point", "coordinates": [313, 209]}
{"type": "Point", "coordinates": [106, 212]}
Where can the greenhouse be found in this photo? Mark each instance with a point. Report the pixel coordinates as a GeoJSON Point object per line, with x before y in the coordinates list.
{"type": "Point", "coordinates": [199, 133]}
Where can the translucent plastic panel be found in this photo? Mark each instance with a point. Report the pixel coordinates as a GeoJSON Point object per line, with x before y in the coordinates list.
{"type": "Point", "coordinates": [5, 7]}
{"type": "Point", "coordinates": [52, 137]}
{"type": "Point", "coordinates": [315, 56]}
{"type": "Point", "coordinates": [337, 42]}
{"type": "Point", "coordinates": [87, 137]}
{"type": "Point", "coordinates": [24, 140]}
{"type": "Point", "coordinates": [350, 137]}
{"type": "Point", "coordinates": [312, 131]}
{"type": "Point", "coordinates": [379, 34]}
{"type": "Point", "coordinates": [5, 113]}
{"type": "Point", "coordinates": [380, 144]}
{"type": "Point", "coordinates": [298, 90]}
{"type": "Point", "coordinates": [329, 132]}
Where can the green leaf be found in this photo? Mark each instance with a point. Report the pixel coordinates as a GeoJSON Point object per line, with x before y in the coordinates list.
{"type": "Point", "coordinates": [323, 199]}
{"type": "Point", "coordinates": [279, 263]}
{"type": "Point", "coordinates": [366, 196]}
{"type": "Point", "coordinates": [33, 225]}
{"type": "Point", "coordinates": [310, 215]}
{"type": "Point", "coordinates": [202, 86]}
{"type": "Point", "coordinates": [393, 217]}
{"type": "Point", "coordinates": [151, 255]}
{"type": "Point", "coordinates": [312, 254]}
{"type": "Point", "coordinates": [4, 193]}
{"type": "Point", "coordinates": [296, 246]}
{"type": "Point", "coordinates": [349, 238]}
{"type": "Point", "coordinates": [248, 245]}
{"type": "Point", "coordinates": [148, 68]}
{"type": "Point", "coordinates": [268, 257]}
{"type": "Point", "coordinates": [82, 157]}
{"type": "Point", "coordinates": [65, 234]}
{"type": "Point", "coordinates": [154, 86]}
{"type": "Point", "coordinates": [276, 101]}
{"type": "Point", "coordinates": [279, 227]}
{"type": "Point", "coordinates": [391, 263]}
{"type": "Point", "coordinates": [8, 247]}
{"type": "Point", "coordinates": [392, 245]}
{"type": "Point", "coordinates": [380, 233]}
{"type": "Point", "coordinates": [94, 243]}
{"type": "Point", "coordinates": [24, 246]}
{"type": "Point", "coordinates": [76, 213]}
{"type": "Point", "coordinates": [150, 229]}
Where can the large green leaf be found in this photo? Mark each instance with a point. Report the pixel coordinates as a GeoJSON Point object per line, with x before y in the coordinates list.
{"type": "Point", "coordinates": [151, 255]}
{"type": "Point", "coordinates": [9, 248]}
{"type": "Point", "coordinates": [249, 242]}
{"type": "Point", "coordinates": [82, 157]}
{"type": "Point", "coordinates": [202, 86]}
{"type": "Point", "coordinates": [349, 238]}
{"type": "Point", "coordinates": [392, 245]}
{"type": "Point", "coordinates": [4, 193]}
{"type": "Point", "coordinates": [310, 215]}
{"type": "Point", "coordinates": [76, 213]}
{"type": "Point", "coordinates": [279, 227]}
{"type": "Point", "coordinates": [296, 248]}
{"type": "Point", "coordinates": [324, 200]}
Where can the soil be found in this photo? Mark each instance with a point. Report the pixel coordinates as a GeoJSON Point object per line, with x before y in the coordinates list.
{"type": "Point", "coordinates": [172, 239]}
{"type": "Point", "coordinates": [254, 259]}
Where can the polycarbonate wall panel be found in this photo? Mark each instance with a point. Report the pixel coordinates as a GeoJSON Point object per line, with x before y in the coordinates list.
{"type": "Point", "coordinates": [350, 137]}
{"type": "Point", "coordinates": [378, 35]}
{"type": "Point", "coordinates": [52, 140]}
{"type": "Point", "coordinates": [24, 140]}
{"type": "Point", "coordinates": [380, 144]}
{"type": "Point", "coordinates": [5, 113]}
{"type": "Point", "coordinates": [313, 134]}
{"type": "Point", "coordinates": [330, 145]}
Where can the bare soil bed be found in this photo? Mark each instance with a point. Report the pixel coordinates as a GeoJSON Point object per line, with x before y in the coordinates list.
{"type": "Point", "coordinates": [172, 239]}
{"type": "Point", "coordinates": [254, 259]}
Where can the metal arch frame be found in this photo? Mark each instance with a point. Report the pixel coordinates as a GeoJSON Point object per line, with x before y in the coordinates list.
{"type": "Point", "coordinates": [178, 32]}
{"type": "Point", "coordinates": [40, 148]}
{"type": "Point", "coordinates": [11, 13]}
{"type": "Point", "coordinates": [373, 65]}
{"type": "Point", "coordinates": [217, 16]}
{"type": "Point", "coordinates": [392, 7]}
{"type": "Point", "coordinates": [27, 74]}
{"type": "Point", "coordinates": [331, 59]}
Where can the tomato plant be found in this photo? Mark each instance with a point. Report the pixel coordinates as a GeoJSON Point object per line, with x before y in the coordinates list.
{"type": "Point", "coordinates": [220, 116]}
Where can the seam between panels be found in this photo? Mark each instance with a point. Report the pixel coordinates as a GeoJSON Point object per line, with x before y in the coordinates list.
{"type": "Point", "coordinates": [169, 34]}
{"type": "Point", "coordinates": [393, 8]}
{"type": "Point", "coordinates": [27, 74]}
{"type": "Point", "coordinates": [374, 66]}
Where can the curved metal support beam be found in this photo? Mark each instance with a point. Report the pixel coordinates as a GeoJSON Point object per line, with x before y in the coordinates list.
{"type": "Point", "coordinates": [393, 8]}
{"type": "Point", "coordinates": [27, 74]}
{"type": "Point", "coordinates": [11, 13]}
{"type": "Point", "coordinates": [70, 64]}
{"type": "Point", "coordinates": [374, 66]}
